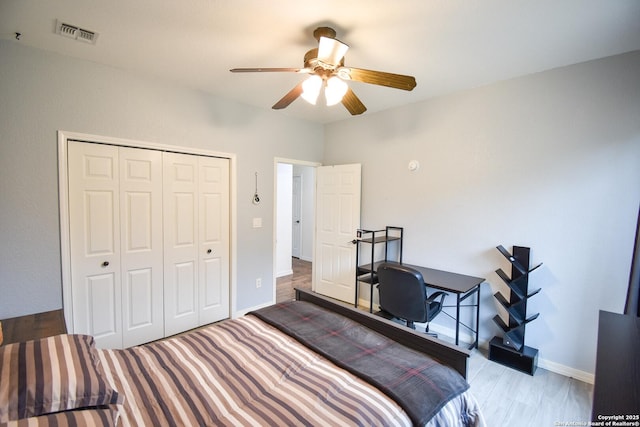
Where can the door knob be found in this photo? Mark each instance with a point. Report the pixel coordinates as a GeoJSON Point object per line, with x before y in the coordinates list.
{"type": "Point", "coordinates": [105, 264]}
{"type": "Point", "coordinates": [208, 251]}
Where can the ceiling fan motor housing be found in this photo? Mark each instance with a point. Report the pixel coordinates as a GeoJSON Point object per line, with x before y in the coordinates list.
{"type": "Point", "coordinates": [324, 32]}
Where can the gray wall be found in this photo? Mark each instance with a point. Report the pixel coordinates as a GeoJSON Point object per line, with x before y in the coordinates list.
{"type": "Point", "coordinates": [550, 161]}
{"type": "Point", "coordinates": [41, 93]}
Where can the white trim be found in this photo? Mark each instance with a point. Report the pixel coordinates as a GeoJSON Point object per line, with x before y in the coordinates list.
{"type": "Point", "coordinates": [567, 371]}
{"type": "Point", "coordinates": [277, 160]}
{"type": "Point", "coordinates": [63, 201]}
{"type": "Point", "coordinates": [556, 368]}
{"type": "Point", "coordinates": [243, 312]}
{"type": "Point", "coordinates": [284, 273]}
{"type": "Point", "coordinates": [65, 244]}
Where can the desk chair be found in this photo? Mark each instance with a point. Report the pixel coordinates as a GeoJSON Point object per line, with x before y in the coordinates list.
{"type": "Point", "coordinates": [403, 294]}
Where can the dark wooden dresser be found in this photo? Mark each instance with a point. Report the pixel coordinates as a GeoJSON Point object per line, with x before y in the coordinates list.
{"type": "Point", "coordinates": [616, 391]}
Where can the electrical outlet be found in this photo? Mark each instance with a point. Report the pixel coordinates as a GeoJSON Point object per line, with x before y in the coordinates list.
{"type": "Point", "coordinates": [258, 282]}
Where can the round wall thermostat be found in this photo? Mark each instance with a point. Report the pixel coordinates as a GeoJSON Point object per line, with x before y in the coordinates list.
{"type": "Point", "coordinates": [414, 165]}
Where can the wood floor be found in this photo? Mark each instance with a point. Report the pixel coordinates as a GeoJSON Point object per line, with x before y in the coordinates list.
{"type": "Point", "coordinates": [301, 278]}
{"type": "Point", "coordinates": [506, 397]}
{"type": "Point", "coordinates": [33, 326]}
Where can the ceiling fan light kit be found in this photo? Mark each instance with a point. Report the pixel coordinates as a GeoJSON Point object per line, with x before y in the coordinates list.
{"type": "Point", "coordinates": [325, 64]}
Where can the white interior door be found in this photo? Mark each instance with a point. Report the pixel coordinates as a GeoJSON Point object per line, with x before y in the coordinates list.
{"type": "Point", "coordinates": [213, 242]}
{"type": "Point", "coordinates": [141, 245]}
{"type": "Point", "coordinates": [95, 242]}
{"type": "Point", "coordinates": [337, 220]}
{"type": "Point", "coordinates": [181, 257]}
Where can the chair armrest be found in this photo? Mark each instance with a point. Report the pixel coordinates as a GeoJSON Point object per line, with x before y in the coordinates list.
{"type": "Point", "coordinates": [436, 295]}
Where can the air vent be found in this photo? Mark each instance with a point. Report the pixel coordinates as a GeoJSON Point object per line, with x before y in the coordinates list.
{"type": "Point", "coordinates": [76, 33]}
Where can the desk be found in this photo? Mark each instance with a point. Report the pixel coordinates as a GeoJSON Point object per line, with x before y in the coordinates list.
{"type": "Point", "coordinates": [459, 284]}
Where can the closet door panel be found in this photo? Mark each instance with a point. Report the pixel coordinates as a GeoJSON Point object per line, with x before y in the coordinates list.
{"type": "Point", "coordinates": [180, 187]}
{"type": "Point", "coordinates": [141, 244]}
{"type": "Point", "coordinates": [213, 239]}
{"type": "Point", "coordinates": [101, 296]}
{"type": "Point", "coordinates": [94, 206]}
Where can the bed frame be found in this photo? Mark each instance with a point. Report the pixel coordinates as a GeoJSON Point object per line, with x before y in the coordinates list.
{"type": "Point", "coordinates": [448, 354]}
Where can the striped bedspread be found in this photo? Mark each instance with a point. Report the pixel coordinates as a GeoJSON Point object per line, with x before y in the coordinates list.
{"type": "Point", "coordinates": [241, 372]}
{"type": "Point", "coordinates": [245, 372]}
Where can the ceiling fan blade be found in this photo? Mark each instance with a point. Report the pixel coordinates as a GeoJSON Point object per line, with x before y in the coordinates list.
{"type": "Point", "coordinates": [289, 97]}
{"type": "Point", "coordinates": [331, 51]}
{"type": "Point", "coordinates": [396, 81]}
{"type": "Point", "coordinates": [352, 103]}
{"type": "Point", "coordinates": [268, 70]}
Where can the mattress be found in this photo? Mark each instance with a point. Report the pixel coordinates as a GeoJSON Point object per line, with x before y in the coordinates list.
{"type": "Point", "coordinates": [247, 372]}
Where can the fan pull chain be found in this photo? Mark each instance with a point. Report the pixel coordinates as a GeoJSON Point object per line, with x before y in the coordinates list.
{"type": "Point", "coordinates": [256, 198]}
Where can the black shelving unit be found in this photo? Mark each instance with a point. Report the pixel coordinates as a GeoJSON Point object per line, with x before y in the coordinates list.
{"type": "Point", "coordinates": [367, 240]}
{"type": "Point", "coordinates": [510, 349]}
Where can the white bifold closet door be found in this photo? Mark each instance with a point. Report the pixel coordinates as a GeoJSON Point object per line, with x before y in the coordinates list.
{"type": "Point", "coordinates": [149, 242]}
{"type": "Point", "coordinates": [196, 245]}
{"type": "Point", "coordinates": [115, 212]}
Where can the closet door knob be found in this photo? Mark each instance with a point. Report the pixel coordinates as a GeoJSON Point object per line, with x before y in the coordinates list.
{"type": "Point", "coordinates": [105, 264]}
{"type": "Point", "coordinates": [208, 251]}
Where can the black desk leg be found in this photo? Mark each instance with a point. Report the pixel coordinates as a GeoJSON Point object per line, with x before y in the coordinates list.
{"type": "Point", "coordinates": [477, 318]}
{"type": "Point", "coordinates": [371, 300]}
{"type": "Point", "coordinates": [457, 317]}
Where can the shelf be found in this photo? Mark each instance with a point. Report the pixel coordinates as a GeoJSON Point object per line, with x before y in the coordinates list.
{"type": "Point", "coordinates": [508, 280]}
{"type": "Point", "coordinates": [508, 329]}
{"type": "Point", "coordinates": [525, 360]}
{"type": "Point", "coordinates": [512, 259]}
{"type": "Point", "coordinates": [510, 350]}
{"type": "Point", "coordinates": [365, 273]}
{"type": "Point", "coordinates": [509, 307]}
{"type": "Point", "coordinates": [380, 239]}
{"type": "Point", "coordinates": [535, 268]}
{"type": "Point", "coordinates": [372, 279]}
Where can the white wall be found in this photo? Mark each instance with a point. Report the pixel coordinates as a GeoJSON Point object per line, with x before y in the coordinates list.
{"type": "Point", "coordinates": [550, 161]}
{"type": "Point", "coordinates": [42, 93]}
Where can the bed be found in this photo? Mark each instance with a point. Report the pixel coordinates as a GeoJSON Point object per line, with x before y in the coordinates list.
{"type": "Point", "coordinates": [307, 362]}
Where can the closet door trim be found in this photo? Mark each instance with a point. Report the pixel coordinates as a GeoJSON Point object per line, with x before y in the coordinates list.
{"type": "Point", "coordinates": [63, 198]}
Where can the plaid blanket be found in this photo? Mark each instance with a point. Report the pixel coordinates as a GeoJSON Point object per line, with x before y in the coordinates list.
{"type": "Point", "coordinates": [418, 383]}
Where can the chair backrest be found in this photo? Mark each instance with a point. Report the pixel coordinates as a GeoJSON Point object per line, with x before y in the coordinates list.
{"type": "Point", "coordinates": [402, 292]}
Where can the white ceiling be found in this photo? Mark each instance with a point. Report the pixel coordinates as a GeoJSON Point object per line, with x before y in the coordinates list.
{"type": "Point", "coordinates": [448, 45]}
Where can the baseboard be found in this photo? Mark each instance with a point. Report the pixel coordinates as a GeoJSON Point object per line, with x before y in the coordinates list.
{"type": "Point", "coordinates": [284, 273]}
{"type": "Point", "coordinates": [567, 371]}
{"type": "Point", "coordinates": [240, 313]}
{"type": "Point", "coordinates": [557, 368]}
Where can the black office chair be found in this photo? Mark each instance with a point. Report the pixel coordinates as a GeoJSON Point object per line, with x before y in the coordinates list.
{"type": "Point", "coordinates": [403, 295]}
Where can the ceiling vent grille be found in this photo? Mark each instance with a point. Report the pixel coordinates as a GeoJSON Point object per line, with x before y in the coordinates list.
{"type": "Point", "coordinates": [76, 33]}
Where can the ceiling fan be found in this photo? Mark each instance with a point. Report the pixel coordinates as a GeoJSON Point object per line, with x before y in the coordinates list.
{"type": "Point", "coordinates": [325, 65]}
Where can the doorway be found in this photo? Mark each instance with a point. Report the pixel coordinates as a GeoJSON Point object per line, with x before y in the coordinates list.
{"type": "Point", "coordinates": [294, 226]}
